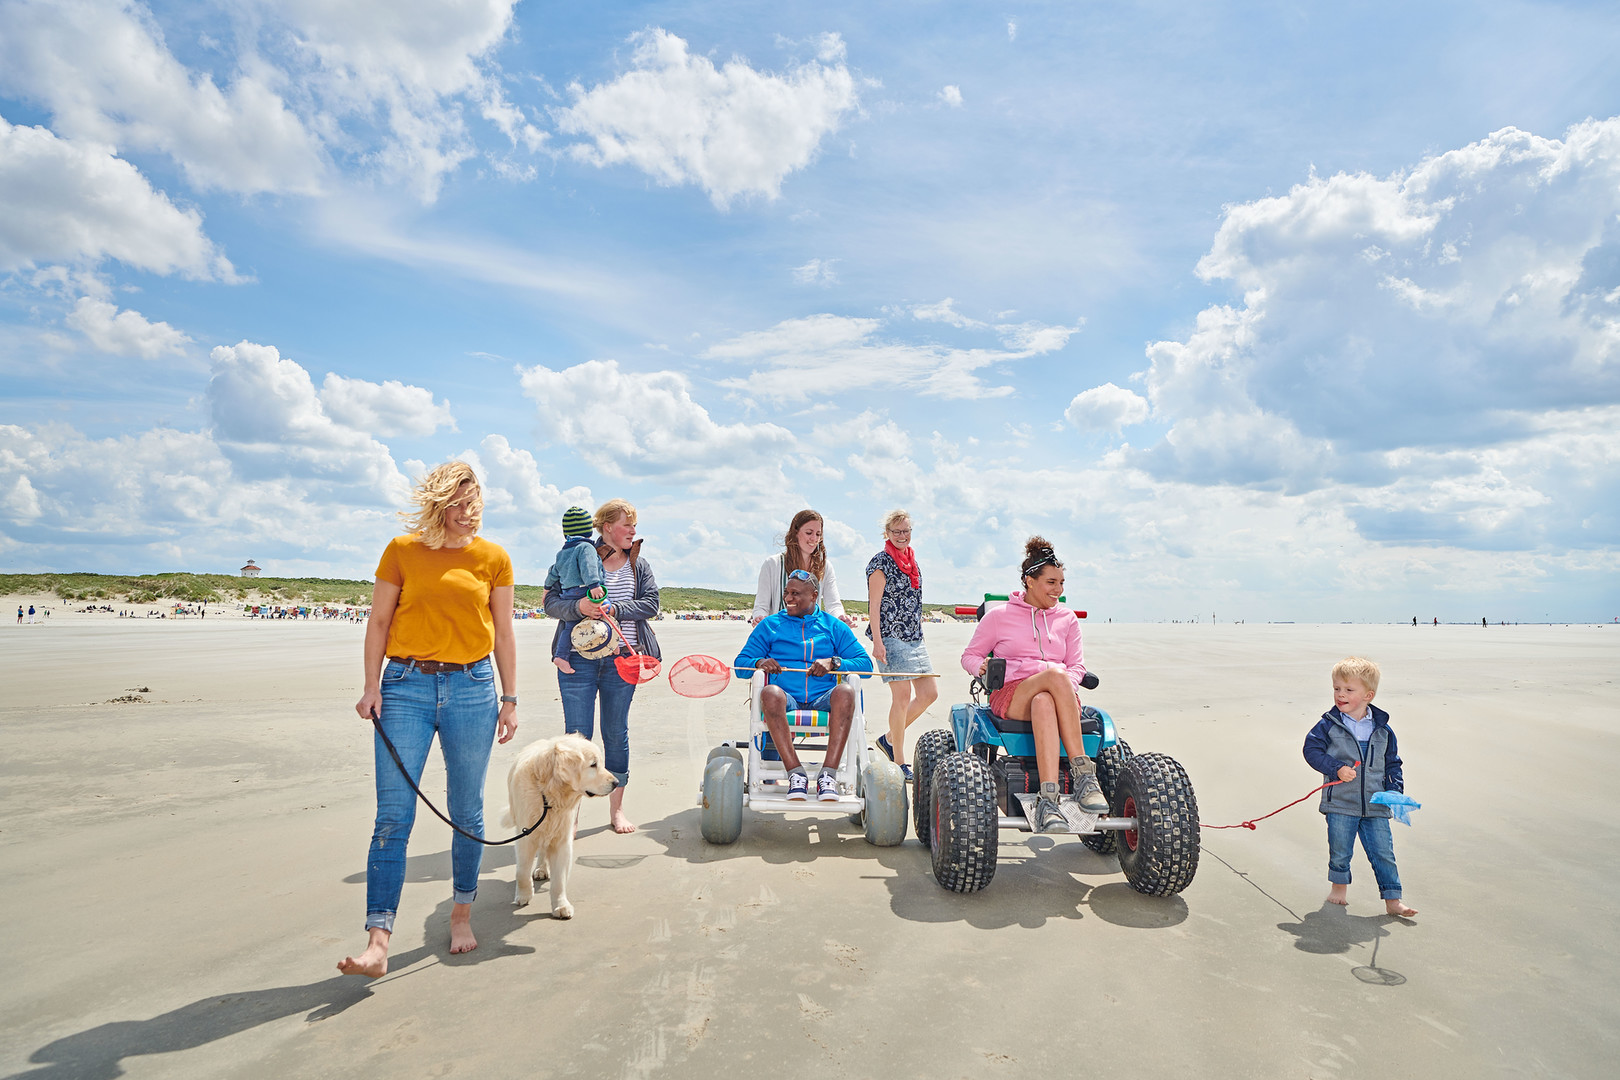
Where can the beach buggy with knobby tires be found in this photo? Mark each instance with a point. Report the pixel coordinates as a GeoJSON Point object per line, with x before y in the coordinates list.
{"type": "Point", "coordinates": [980, 777]}
{"type": "Point", "coordinates": [749, 773]}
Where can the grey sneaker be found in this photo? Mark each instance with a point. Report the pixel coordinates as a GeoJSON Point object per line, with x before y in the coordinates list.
{"type": "Point", "coordinates": [1086, 790]}
{"type": "Point", "coordinates": [827, 787]}
{"type": "Point", "coordinates": [1047, 814]}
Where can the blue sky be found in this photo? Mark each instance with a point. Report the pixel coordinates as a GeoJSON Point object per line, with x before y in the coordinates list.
{"type": "Point", "coordinates": [1281, 311]}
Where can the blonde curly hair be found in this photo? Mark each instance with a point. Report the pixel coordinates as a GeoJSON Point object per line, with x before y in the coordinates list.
{"type": "Point", "coordinates": [434, 494]}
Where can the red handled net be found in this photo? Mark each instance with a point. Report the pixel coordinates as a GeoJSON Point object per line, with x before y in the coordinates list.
{"type": "Point", "coordinates": [699, 676]}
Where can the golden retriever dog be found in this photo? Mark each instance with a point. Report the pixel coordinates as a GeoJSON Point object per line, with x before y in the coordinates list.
{"type": "Point", "coordinates": [553, 774]}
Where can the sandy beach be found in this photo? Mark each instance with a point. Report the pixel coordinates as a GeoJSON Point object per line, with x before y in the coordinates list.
{"type": "Point", "coordinates": [183, 871]}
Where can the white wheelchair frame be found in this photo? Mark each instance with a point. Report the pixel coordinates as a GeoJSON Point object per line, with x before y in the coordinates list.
{"type": "Point", "coordinates": [765, 782]}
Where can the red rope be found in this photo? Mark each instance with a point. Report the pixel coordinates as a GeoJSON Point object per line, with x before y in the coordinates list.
{"type": "Point", "coordinates": [1250, 823]}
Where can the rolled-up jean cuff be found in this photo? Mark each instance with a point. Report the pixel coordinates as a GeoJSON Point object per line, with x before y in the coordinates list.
{"type": "Point", "coordinates": [380, 920]}
{"type": "Point", "coordinates": [1389, 894]}
{"type": "Point", "coordinates": [464, 897]}
{"type": "Point", "coordinates": [622, 777]}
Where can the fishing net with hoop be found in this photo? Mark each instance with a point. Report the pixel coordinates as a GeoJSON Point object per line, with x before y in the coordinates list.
{"type": "Point", "coordinates": [699, 676]}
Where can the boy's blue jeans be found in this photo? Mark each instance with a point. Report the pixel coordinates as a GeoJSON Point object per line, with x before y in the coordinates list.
{"type": "Point", "coordinates": [1376, 842]}
{"type": "Point", "coordinates": [592, 679]}
{"type": "Point", "coordinates": [461, 707]}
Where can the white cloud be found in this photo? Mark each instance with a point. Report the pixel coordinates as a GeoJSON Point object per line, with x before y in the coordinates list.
{"type": "Point", "coordinates": [382, 84]}
{"type": "Point", "coordinates": [269, 421]}
{"type": "Point", "coordinates": [646, 423]}
{"type": "Point", "coordinates": [732, 130]}
{"type": "Point", "coordinates": [951, 96]}
{"type": "Point", "coordinates": [1106, 408]}
{"type": "Point", "coordinates": [102, 69]}
{"type": "Point", "coordinates": [77, 203]}
{"type": "Point", "coordinates": [1423, 346]}
{"type": "Point", "coordinates": [385, 408]}
{"type": "Point", "coordinates": [827, 355]}
{"type": "Point", "coordinates": [414, 62]}
{"type": "Point", "coordinates": [513, 486]}
{"type": "Point", "coordinates": [816, 272]}
{"type": "Point", "coordinates": [945, 312]}
{"type": "Point", "coordinates": [124, 333]}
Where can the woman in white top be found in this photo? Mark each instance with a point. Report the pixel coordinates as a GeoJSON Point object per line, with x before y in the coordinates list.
{"type": "Point", "coordinates": [802, 550]}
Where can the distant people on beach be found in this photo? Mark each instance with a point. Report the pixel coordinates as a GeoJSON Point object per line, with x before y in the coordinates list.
{"type": "Point", "coordinates": [442, 609]}
{"type": "Point", "coordinates": [1354, 745]}
{"type": "Point", "coordinates": [803, 548]}
{"type": "Point", "coordinates": [30, 614]}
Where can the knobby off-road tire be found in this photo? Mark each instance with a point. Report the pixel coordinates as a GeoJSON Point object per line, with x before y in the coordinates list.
{"type": "Point", "coordinates": [1159, 856]}
{"type": "Point", "coordinates": [966, 823]}
{"type": "Point", "coordinates": [722, 799]}
{"type": "Point", "coordinates": [931, 750]}
{"type": "Point", "coordinates": [1109, 763]}
{"type": "Point", "coordinates": [884, 788]}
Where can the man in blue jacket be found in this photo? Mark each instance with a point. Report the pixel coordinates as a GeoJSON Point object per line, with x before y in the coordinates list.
{"type": "Point", "coordinates": [810, 645]}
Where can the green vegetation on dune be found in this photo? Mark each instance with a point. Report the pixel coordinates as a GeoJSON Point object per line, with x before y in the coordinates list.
{"type": "Point", "coordinates": [228, 588]}
{"type": "Point", "coordinates": [195, 588]}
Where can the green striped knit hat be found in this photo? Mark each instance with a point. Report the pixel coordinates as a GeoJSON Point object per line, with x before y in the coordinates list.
{"type": "Point", "coordinates": [576, 522]}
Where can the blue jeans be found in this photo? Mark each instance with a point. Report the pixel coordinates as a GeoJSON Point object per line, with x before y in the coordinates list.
{"type": "Point", "coordinates": [461, 706]}
{"type": "Point", "coordinates": [579, 693]}
{"type": "Point", "coordinates": [1376, 842]}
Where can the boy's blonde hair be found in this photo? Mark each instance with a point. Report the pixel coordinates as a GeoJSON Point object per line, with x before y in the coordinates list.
{"type": "Point", "coordinates": [1360, 669]}
{"type": "Point", "coordinates": [433, 495]}
{"type": "Point", "coordinates": [609, 512]}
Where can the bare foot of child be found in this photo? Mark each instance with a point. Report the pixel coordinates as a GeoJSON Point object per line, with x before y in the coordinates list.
{"type": "Point", "coordinates": [563, 666]}
{"type": "Point", "coordinates": [1398, 907]}
{"type": "Point", "coordinates": [461, 935]}
{"type": "Point", "coordinates": [1339, 894]}
{"type": "Point", "coordinates": [373, 963]}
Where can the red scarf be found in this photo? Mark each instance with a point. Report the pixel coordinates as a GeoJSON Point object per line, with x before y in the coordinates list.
{"type": "Point", "coordinates": [906, 559]}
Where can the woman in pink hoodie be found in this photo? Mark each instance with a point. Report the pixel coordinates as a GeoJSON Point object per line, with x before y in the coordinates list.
{"type": "Point", "coordinates": [1041, 643]}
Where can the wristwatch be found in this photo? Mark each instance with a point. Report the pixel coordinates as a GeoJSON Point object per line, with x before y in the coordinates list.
{"type": "Point", "coordinates": [835, 663]}
{"type": "Point", "coordinates": [509, 697]}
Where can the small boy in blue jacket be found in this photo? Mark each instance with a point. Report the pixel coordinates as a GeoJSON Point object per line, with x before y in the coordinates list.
{"type": "Point", "coordinates": [1354, 733]}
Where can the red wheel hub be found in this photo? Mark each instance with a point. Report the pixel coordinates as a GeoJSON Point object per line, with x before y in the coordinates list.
{"type": "Point", "coordinates": [1129, 810]}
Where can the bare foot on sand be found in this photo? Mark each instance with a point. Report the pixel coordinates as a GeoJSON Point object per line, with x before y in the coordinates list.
{"type": "Point", "coordinates": [461, 935]}
{"type": "Point", "coordinates": [1339, 894]}
{"type": "Point", "coordinates": [373, 963]}
{"type": "Point", "coordinates": [1398, 906]}
{"type": "Point", "coordinates": [621, 824]}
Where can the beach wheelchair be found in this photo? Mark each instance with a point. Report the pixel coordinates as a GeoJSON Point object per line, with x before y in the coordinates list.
{"type": "Point", "coordinates": [980, 777]}
{"type": "Point", "coordinates": [749, 773]}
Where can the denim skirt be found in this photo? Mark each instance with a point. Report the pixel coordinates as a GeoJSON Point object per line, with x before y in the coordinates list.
{"type": "Point", "coordinates": [904, 656]}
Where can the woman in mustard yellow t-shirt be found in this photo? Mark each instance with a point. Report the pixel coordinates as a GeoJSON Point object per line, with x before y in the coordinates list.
{"type": "Point", "coordinates": [441, 607]}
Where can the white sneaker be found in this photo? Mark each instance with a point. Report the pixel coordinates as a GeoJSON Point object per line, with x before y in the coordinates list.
{"type": "Point", "coordinates": [798, 787]}
{"type": "Point", "coordinates": [827, 787]}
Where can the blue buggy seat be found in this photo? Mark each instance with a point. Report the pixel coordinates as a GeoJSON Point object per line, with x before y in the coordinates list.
{"type": "Point", "coordinates": [976, 725]}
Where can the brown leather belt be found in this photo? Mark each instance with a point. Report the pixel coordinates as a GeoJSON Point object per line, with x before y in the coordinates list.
{"type": "Point", "coordinates": [430, 667]}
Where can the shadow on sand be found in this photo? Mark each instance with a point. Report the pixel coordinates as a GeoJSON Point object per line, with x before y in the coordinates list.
{"type": "Point", "coordinates": [1037, 877]}
{"type": "Point", "coordinates": [1332, 930]}
{"type": "Point", "coordinates": [98, 1053]}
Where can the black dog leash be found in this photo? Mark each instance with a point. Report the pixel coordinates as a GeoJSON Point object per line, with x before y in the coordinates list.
{"type": "Point", "coordinates": [545, 804]}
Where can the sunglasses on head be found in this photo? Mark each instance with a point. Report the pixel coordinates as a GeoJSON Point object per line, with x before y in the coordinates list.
{"type": "Point", "coordinates": [801, 575]}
